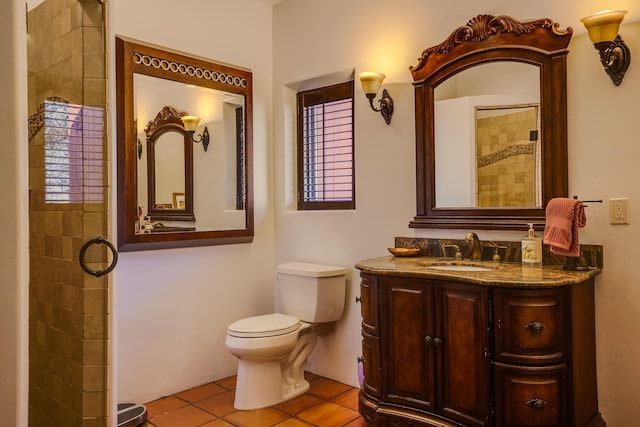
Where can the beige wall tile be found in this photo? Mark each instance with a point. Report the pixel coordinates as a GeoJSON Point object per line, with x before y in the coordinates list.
{"type": "Point", "coordinates": [94, 378]}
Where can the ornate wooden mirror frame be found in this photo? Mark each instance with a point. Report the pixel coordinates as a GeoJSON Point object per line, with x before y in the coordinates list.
{"type": "Point", "coordinates": [137, 58]}
{"type": "Point", "coordinates": [485, 39]}
{"type": "Point", "coordinates": [168, 120]}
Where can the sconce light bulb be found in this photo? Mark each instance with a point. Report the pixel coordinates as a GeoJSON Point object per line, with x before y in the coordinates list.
{"type": "Point", "coordinates": [190, 123]}
{"type": "Point", "coordinates": [371, 82]}
{"type": "Point", "coordinates": [603, 26]}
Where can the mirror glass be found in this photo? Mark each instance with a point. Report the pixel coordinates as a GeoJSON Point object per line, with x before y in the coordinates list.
{"type": "Point", "coordinates": [169, 173]}
{"type": "Point", "coordinates": [487, 145]}
{"type": "Point", "coordinates": [172, 191]}
{"type": "Point", "coordinates": [217, 193]}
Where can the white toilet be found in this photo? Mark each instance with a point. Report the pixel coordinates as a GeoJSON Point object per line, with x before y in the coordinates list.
{"type": "Point", "coordinates": [272, 349]}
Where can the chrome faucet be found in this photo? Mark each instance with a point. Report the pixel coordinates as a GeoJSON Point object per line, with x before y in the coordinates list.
{"type": "Point", "coordinates": [475, 247]}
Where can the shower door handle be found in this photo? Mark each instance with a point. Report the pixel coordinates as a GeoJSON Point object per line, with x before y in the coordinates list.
{"type": "Point", "coordinates": [98, 241]}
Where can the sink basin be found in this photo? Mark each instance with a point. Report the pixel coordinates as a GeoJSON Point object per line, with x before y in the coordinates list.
{"type": "Point", "coordinates": [459, 268]}
{"type": "Point", "coordinates": [459, 265]}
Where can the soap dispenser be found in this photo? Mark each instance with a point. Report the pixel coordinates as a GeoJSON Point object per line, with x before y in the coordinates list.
{"type": "Point", "coordinates": [531, 248]}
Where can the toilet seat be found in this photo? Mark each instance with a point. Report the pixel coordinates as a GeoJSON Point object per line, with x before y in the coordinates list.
{"type": "Point", "coordinates": [267, 325]}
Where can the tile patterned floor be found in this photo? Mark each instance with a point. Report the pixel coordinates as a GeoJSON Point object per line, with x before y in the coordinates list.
{"type": "Point", "coordinates": [327, 404]}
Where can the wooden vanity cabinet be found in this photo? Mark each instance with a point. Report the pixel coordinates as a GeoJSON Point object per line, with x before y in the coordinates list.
{"type": "Point", "coordinates": [445, 353]}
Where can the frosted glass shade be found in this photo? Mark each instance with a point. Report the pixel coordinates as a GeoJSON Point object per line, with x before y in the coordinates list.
{"type": "Point", "coordinates": [371, 81]}
{"type": "Point", "coordinates": [603, 26]}
{"type": "Point", "coordinates": [190, 122]}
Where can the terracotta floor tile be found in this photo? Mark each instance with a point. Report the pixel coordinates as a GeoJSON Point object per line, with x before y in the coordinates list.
{"type": "Point", "coordinates": [189, 416]}
{"type": "Point", "coordinates": [264, 417]}
{"type": "Point", "coordinates": [294, 422]}
{"type": "Point", "coordinates": [327, 389]}
{"type": "Point", "coordinates": [220, 404]}
{"type": "Point", "coordinates": [202, 392]}
{"type": "Point", "coordinates": [207, 405]}
{"type": "Point", "coordinates": [298, 404]}
{"type": "Point", "coordinates": [348, 399]}
{"type": "Point", "coordinates": [164, 404]}
{"type": "Point", "coordinates": [358, 422]}
{"type": "Point", "coordinates": [328, 415]}
{"type": "Point", "coordinates": [229, 383]}
{"type": "Point", "coordinates": [310, 376]}
{"type": "Point", "coordinates": [217, 423]}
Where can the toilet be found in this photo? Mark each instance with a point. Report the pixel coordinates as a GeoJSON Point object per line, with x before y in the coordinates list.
{"type": "Point", "coordinates": [272, 349]}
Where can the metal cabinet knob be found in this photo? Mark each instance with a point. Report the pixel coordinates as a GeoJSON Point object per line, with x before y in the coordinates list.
{"type": "Point", "coordinates": [535, 327]}
{"type": "Point", "coordinates": [435, 341]}
{"type": "Point", "coordinates": [537, 404]}
{"type": "Point", "coordinates": [359, 299]}
{"type": "Point", "coordinates": [360, 359]}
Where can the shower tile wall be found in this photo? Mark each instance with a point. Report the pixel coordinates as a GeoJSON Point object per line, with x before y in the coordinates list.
{"type": "Point", "coordinates": [68, 309]}
{"type": "Point", "coordinates": [509, 179]}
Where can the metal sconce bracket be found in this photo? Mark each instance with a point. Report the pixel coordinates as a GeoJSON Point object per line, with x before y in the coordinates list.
{"type": "Point", "coordinates": [203, 138]}
{"type": "Point", "coordinates": [615, 57]}
{"type": "Point", "coordinates": [386, 105]}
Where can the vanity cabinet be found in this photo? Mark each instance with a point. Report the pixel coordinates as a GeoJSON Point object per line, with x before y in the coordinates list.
{"type": "Point", "coordinates": [441, 352]}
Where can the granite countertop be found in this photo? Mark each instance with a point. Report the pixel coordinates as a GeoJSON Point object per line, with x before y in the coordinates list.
{"type": "Point", "coordinates": [499, 274]}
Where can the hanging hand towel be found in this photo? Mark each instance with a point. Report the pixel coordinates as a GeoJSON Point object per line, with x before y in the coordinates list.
{"type": "Point", "coordinates": [564, 217]}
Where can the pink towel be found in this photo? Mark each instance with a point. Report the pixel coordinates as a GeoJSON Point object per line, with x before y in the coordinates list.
{"type": "Point", "coordinates": [564, 217]}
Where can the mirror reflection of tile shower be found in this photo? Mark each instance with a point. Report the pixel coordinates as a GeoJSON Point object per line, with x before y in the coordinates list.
{"type": "Point", "coordinates": [507, 156]}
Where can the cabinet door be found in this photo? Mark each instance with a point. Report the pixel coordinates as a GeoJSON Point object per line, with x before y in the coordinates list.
{"type": "Point", "coordinates": [530, 325]}
{"type": "Point", "coordinates": [371, 364]}
{"type": "Point", "coordinates": [531, 396]}
{"type": "Point", "coordinates": [369, 303]}
{"type": "Point", "coordinates": [408, 330]}
{"type": "Point", "coordinates": [462, 324]}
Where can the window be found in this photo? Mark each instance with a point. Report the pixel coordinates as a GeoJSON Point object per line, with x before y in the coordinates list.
{"type": "Point", "coordinates": [73, 153]}
{"type": "Point", "coordinates": [325, 148]}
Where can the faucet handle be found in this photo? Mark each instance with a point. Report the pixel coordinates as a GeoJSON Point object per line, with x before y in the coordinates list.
{"type": "Point", "coordinates": [496, 253]}
{"type": "Point", "coordinates": [458, 254]}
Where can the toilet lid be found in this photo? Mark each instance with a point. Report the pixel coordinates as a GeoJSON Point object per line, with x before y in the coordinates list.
{"type": "Point", "coordinates": [267, 325]}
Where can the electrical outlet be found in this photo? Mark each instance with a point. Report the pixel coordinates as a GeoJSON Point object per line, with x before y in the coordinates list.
{"type": "Point", "coordinates": [619, 210]}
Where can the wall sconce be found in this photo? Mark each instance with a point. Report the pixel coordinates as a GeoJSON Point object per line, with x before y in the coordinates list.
{"type": "Point", "coordinates": [190, 125]}
{"type": "Point", "coordinates": [370, 85]}
{"type": "Point", "coordinates": [615, 56]}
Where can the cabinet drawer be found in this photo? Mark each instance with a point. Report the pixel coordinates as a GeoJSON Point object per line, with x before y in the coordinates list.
{"type": "Point", "coordinates": [371, 364]}
{"type": "Point", "coordinates": [530, 326]}
{"type": "Point", "coordinates": [369, 304]}
{"type": "Point", "coordinates": [530, 396]}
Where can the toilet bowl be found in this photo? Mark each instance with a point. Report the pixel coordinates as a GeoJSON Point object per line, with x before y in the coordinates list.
{"type": "Point", "coordinates": [272, 349]}
{"type": "Point", "coordinates": [270, 363]}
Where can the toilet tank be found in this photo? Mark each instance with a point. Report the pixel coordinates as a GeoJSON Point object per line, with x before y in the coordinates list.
{"type": "Point", "coordinates": [313, 293]}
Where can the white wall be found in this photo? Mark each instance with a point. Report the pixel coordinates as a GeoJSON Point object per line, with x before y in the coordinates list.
{"type": "Point", "coordinates": [314, 38]}
{"type": "Point", "coordinates": [14, 239]}
{"type": "Point", "coordinates": [172, 307]}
